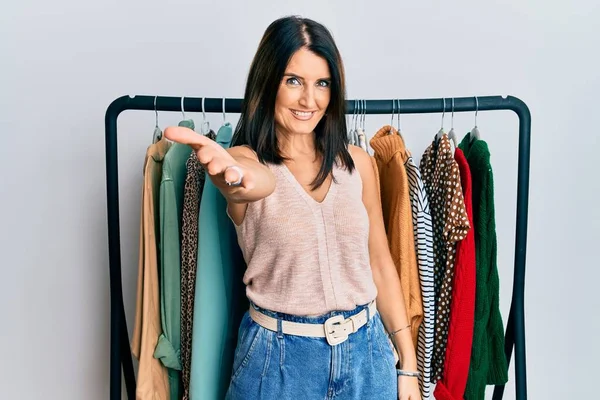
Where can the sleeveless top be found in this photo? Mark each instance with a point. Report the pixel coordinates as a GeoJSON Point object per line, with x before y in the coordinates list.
{"type": "Point", "coordinates": [304, 257]}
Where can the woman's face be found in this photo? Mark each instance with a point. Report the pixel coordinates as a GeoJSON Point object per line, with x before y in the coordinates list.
{"type": "Point", "coordinates": [303, 94]}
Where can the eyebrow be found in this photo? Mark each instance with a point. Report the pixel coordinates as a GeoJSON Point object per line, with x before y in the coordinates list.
{"type": "Point", "coordinates": [298, 76]}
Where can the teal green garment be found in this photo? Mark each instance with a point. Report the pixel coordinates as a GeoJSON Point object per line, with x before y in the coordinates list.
{"type": "Point", "coordinates": [172, 184]}
{"type": "Point", "coordinates": [220, 298]}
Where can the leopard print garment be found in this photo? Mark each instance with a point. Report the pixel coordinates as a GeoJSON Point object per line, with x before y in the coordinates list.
{"type": "Point", "coordinates": [194, 184]}
{"type": "Point", "coordinates": [441, 177]}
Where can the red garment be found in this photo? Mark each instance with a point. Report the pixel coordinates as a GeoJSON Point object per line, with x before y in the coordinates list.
{"type": "Point", "coordinates": [462, 310]}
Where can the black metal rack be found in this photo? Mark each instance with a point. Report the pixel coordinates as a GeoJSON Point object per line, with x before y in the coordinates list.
{"type": "Point", "coordinates": [120, 352]}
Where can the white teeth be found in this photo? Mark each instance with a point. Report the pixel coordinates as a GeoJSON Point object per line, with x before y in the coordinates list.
{"type": "Point", "coordinates": [302, 114]}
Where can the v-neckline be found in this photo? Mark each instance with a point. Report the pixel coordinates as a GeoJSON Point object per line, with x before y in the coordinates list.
{"type": "Point", "coordinates": [292, 178]}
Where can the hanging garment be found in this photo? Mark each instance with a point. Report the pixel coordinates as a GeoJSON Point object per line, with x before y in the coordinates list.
{"type": "Point", "coordinates": [171, 208]}
{"type": "Point", "coordinates": [488, 362]}
{"type": "Point", "coordinates": [450, 224]}
{"type": "Point", "coordinates": [423, 233]}
{"type": "Point", "coordinates": [362, 139]}
{"type": "Point", "coordinates": [194, 184]}
{"type": "Point", "coordinates": [376, 170]}
{"type": "Point", "coordinates": [152, 379]}
{"type": "Point", "coordinates": [462, 310]}
{"type": "Point", "coordinates": [390, 154]}
{"type": "Point", "coordinates": [378, 183]}
{"type": "Point", "coordinates": [219, 298]}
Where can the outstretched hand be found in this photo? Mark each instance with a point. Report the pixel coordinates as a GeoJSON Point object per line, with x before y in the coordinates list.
{"type": "Point", "coordinates": [215, 159]}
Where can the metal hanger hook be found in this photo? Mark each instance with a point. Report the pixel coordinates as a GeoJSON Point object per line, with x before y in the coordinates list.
{"type": "Point", "coordinates": [156, 111]}
{"type": "Point", "coordinates": [476, 110]}
{"type": "Point", "coordinates": [357, 120]}
{"type": "Point", "coordinates": [393, 111]}
{"type": "Point", "coordinates": [357, 115]}
{"type": "Point", "coordinates": [398, 100]}
{"type": "Point", "coordinates": [364, 115]}
{"type": "Point", "coordinates": [452, 113]}
{"type": "Point", "coordinates": [443, 112]}
{"type": "Point", "coordinates": [354, 114]}
{"type": "Point", "coordinates": [360, 116]}
{"type": "Point", "coordinates": [182, 109]}
{"type": "Point", "coordinates": [205, 124]}
{"type": "Point", "coordinates": [224, 116]}
{"type": "Point", "coordinates": [352, 119]}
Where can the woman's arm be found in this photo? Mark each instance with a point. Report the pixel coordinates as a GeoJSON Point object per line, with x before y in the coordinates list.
{"type": "Point", "coordinates": [260, 182]}
{"type": "Point", "coordinates": [390, 300]}
{"type": "Point", "coordinates": [257, 179]}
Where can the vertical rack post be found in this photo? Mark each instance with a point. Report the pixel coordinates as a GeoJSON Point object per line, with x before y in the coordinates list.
{"type": "Point", "coordinates": [120, 352]}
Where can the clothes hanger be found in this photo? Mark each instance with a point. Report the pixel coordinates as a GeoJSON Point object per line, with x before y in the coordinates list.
{"type": "Point", "coordinates": [451, 134]}
{"type": "Point", "coordinates": [225, 132]}
{"type": "Point", "coordinates": [399, 129]}
{"type": "Point", "coordinates": [349, 134]}
{"type": "Point", "coordinates": [357, 123]}
{"type": "Point", "coordinates": [362, 139]}
{"type": "Point", "coordinates": [475, 135]}
{"type": "Point", "coordinates": [157, 131]}
{"type": "Point", "coordinates": [188, 123]}
{"type": "Point", "coordinates": [354, 133]}
{"type": "Point", "coordinates": [348, 125]}
{"type": "Point", "coordinates": [394, 129]}
{"type": "Point", "coordinates": [205, 129]}
{"type": "Point", "coordinates": [392, 120]}
{"type": "Point", "coordinates": [438, 136]}
{"type": "Point", "coordinates": [225, 122]}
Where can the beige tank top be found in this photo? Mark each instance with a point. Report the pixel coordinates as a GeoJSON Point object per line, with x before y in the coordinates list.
{"type": "Point", "coordinates": [304, 257]}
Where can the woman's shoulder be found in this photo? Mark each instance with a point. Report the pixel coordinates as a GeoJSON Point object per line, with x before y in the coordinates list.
{"type": "Point", "coordinates": [362, 159]}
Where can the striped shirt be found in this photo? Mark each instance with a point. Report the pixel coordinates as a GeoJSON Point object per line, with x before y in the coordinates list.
{"type": "Point", "coordinates": [423, 231]}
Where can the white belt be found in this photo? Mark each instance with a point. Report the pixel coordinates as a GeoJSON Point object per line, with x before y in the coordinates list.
{"type": "Point", "coordinates": [335, 329]}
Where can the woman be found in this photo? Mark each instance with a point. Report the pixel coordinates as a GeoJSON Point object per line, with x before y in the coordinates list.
{"type": "Point", "coordinates": [320, 278]}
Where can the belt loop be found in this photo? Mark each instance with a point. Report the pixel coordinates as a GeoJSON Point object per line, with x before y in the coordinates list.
{"type": "Point", "coordinates": [279, 328]}
{"type": "Point", "coordinates": [368, 314]}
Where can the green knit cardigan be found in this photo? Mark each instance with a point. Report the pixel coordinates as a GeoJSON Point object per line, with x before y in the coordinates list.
{"type": "Point", "coordinates": [488, 362]}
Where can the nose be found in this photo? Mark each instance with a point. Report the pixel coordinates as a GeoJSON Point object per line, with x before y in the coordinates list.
{"type": "Point", "coordinates": [307, 99]}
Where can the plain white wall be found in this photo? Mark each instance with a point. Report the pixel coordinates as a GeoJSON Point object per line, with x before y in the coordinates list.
{"type": "Point", "coordinates": [63, 62]}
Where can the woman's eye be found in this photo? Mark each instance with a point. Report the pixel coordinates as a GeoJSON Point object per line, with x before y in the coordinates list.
{"type": "Point", "coordinates": [292, 81]}
{"type": "Point", "coordinates": [323, 83]}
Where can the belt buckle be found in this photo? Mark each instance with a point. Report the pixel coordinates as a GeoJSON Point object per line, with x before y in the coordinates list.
{"type": "Point", "coordinates": [332, 339]}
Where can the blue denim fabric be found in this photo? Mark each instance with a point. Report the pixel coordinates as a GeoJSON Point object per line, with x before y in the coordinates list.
{"type": "Point", "coordinates": [272, 365]}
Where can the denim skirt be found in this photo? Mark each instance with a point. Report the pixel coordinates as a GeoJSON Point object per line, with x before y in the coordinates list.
{"type": "Point", "coordinates": [276, 366]}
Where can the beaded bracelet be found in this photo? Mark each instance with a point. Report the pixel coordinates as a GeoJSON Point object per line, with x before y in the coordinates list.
{"type": "Point", "coordinates": [401, 372]}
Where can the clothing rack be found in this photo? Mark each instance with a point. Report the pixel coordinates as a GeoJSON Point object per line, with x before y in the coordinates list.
{"type": "Point", "coordinates": [120, 353]}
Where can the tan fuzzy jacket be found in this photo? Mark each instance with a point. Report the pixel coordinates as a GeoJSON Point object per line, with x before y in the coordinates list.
{"type": "Point", "coordinates": [152, 380]}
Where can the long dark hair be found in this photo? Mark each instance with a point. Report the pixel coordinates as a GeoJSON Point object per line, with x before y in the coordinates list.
{"type": "Point", "coordinates": [256, 127]}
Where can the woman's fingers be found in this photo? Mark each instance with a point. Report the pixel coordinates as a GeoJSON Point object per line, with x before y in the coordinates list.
{"type": "Point", "coordinates": [215, 167]}
{"type": "Point", "coordinates": [237, 173]}
{"type": "Point", "coordinates": [233, 175]}
{"type": "Point", "coordinates": [211, 155]}
{"type": "Point", "coordinates": [205, 155]}
{"type": "Point", "coordinates": [216, 161]}
{"type": "Point", "coordinates": [187, 136]}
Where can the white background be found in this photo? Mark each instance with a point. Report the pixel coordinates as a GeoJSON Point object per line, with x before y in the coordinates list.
{"type": "Point", "coordinates": [63, 62]}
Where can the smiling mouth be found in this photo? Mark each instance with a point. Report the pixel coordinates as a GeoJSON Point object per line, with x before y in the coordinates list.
{"type": "Point", "coordinates": [303, 115]}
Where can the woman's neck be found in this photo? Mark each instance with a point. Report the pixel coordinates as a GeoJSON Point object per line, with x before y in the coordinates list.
{"type": "Point", "coordinates": [296, 146]}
